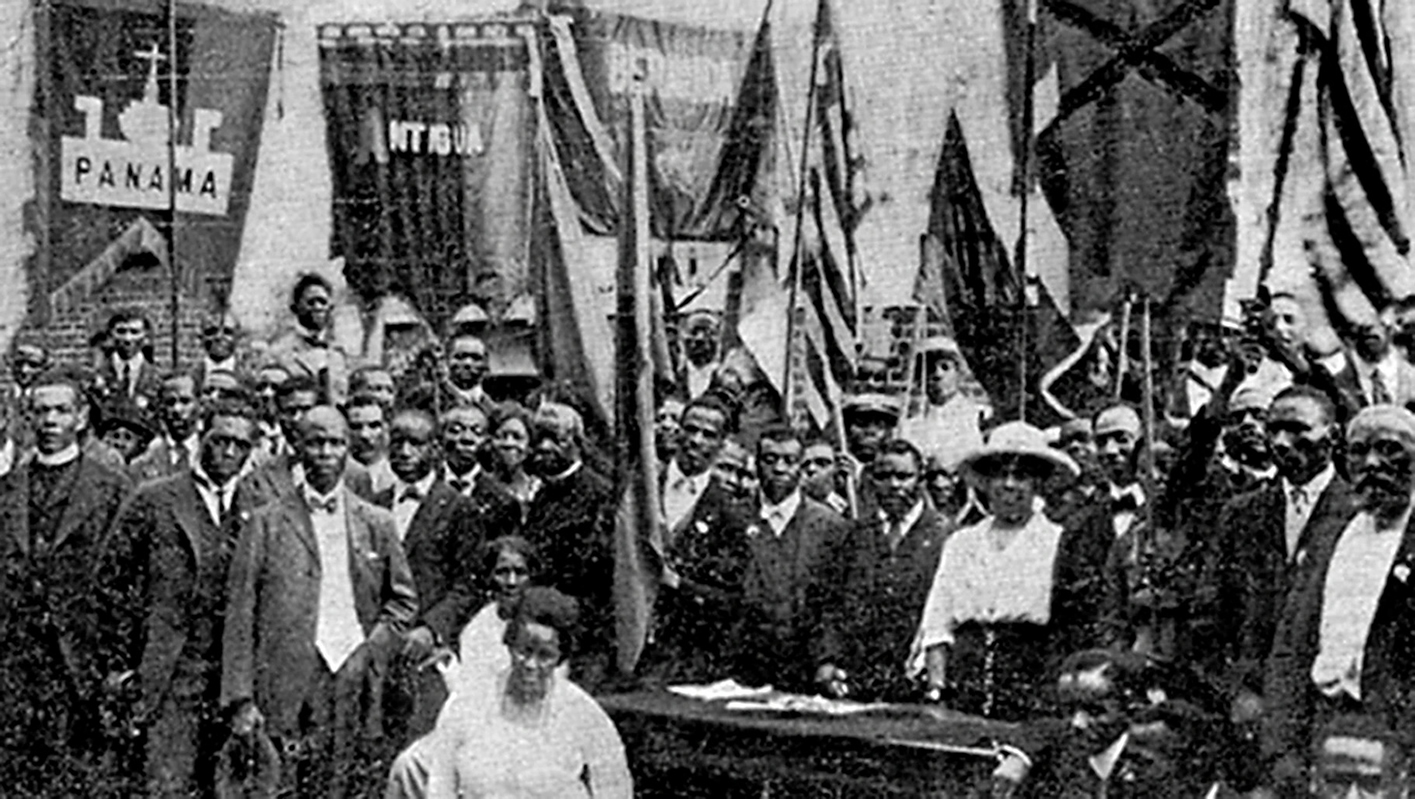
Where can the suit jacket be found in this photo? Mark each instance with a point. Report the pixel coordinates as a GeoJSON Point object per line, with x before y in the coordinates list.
{"type": "Point", "coordinates": [443, 548]}
{"type": "Point", "coordinates": [295, 352]}
{"type": "Point", "coordinates": [62, 579]}
{"type": "Point", "coordinates": [1086, 615]}
{"type": "Point", "coordinates": [156, 462]}
{"type": "Point", "coordinates": [708, 554]}
{"type": "Point", "coordinates": [1257, 569]}
{"type": "Point", "coordinates": [1387, 679]}
{"type": "Point", "coordinates": [785, 590]}
{"type": "Point", "coordinates": [879, 596]}
{"type": "Point", "coordinates": [268, 645]}
{"type": "Point", "coordinates": [1349, 385]}
{"type": "Point", "coordinates": [571, 523]}
{"type": "Point", "coordinates": [177, 559]}
{"type": "Point", "coordinates": [275, 480]}
{"type": "Point", "coordinates": [109, 384]}
{"type": "Point", "coordinates": [499, 510]}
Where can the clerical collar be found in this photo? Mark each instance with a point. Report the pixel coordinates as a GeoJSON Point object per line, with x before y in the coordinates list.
{"type": "Point", "coordinates": [63, 457]}
{"type": "Point", "coordinates": [565, 475]}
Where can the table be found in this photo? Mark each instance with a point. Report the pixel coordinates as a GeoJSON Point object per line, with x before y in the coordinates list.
{"type": "Point", "coordinates": [687, 748]}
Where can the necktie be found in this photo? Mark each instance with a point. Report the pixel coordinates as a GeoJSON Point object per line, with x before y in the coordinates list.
{"type": "Point", "coordinates": [1299, 500]}
{"type": "Point", "coordinates": [1380, 392]}
{"type": "Point", "coordinates": [1125, 502]}
{"type": "Point", "coordinates": [128, 379]}
{"type": "Point", "coordinates": [317, 505]}
{"type": "Point", "coordinates": [894, 532]}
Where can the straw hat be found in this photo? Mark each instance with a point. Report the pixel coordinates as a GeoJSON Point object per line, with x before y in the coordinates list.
{"type": "Point", "coordinates": [872, 404]}
{"type": "Point", "coordinates": [1021, 440]}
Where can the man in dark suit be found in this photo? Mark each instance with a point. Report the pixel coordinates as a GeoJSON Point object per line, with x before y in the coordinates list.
{"type": "Point", "coordinates": [570, 523]}
{"type": "Point", "coordinates": [1372, 370]}
{"type": "Point", "coordinates": [1346, 637]}
{"type": "Point", "coordinates": [881, 573]}
{"type": "Point", "coordinates": [126, 370]}
{"type": "Point", "coordinates": [56, 610]}
{"type": "Point", "coordinates": [463, 433]}
{"type": "Point", "coordinates": [175, 448]}
{"type": "Point", "coordinates": [218, 343]}
{"type": "Point", "coordinates": [308, 349]}
{"type": "Point", "coordinates": [467, 365]}
{"type": "Point", "coordinates": [319, 597]}
{"type": "Point", "coordinates": [442, 535]}
{"type": "Point", "coordinates": [272, 477]}
{"type": "Point", "coordinates": [173, 542]}
{"type": "Point", "coordinates": [785, 585]}
{"type": "Point", "coordinates": [1267, 531]}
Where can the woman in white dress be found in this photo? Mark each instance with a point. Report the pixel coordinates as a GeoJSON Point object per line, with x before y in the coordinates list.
{"type": "Point", "coordinates": [523, 731]}
{"type": "Point", "coordinates": [985, 641]}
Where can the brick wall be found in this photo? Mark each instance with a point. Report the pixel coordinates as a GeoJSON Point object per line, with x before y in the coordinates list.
{"type": "Point", "coordinates": [68, 332]}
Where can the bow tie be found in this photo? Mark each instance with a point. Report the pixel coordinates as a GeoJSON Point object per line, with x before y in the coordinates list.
{"type": "Point", "coordinates": [317, 505]}
{"type": "Point", "coordinates": [1126, 502]}
{"type": "Point", "coordinates": [410, 494]}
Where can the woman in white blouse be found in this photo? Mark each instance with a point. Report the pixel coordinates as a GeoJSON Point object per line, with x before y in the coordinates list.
{"type": "Point", "coordinates": [986, 636]}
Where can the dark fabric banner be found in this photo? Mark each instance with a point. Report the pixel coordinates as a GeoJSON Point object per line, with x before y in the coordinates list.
{"type": "Point", "coordinates": [692, 79]}
{"type": "Point", "coordinates": [105, 100]}
{"type": "Point", "coordinates": [1134, 163]}
{"type": "Point", "coordinates": [431, 149]}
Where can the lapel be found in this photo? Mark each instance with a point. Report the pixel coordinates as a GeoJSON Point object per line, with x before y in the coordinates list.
{"type": "Point", "coordinates": [191, 512]}
{"type": "Point", "coordinates": [1270, 517]}
{"type": "Point", "coordinates": [76, 508]}
{"type": "Point", "coordinates": [17, 509]}
{"type": "Point", "coordinates": [430, 510]}
{"type": "Point", "coordinates": [360, 538]}
{"type": "Point", "coordinates": [304, 527]}
{"type": "Point", "coordinates": [1334, 506]}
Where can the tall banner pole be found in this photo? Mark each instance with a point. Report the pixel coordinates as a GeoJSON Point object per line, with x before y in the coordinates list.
{"type": "Point", "coordinates": [788, 394]}
{"type": "Point", "coordinates": [174, 288]}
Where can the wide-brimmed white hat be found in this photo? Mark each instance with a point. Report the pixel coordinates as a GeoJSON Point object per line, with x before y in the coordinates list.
{"type": "Point", "coordinates": [1019, 439]}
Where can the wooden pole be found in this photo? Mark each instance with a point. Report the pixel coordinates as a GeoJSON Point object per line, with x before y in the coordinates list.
{"type": "Point", "coordinates": [1024, 208]}
{"type": "Point", "coordinates": [173, 276]}
{"type": "Point", "coordinates": [788, 394]}
{"type": "Point", "coordinates": [1122, 356]}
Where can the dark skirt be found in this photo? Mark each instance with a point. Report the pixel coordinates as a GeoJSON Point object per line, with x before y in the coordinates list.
{"type": "Point", "coordinates": [1003, 671]}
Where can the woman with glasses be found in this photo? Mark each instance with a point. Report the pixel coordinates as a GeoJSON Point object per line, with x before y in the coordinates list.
{"type": "Point", "coordinates": [987, 633]}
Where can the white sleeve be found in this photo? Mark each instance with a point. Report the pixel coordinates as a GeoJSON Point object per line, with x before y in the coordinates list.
{"type": "Point", "coordinates": [603, 752]}
{"type": "Point", "coordinates": [937, 621]}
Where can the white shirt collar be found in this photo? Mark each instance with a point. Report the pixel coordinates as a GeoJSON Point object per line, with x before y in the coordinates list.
{"type": "Point", "coordinates": [66, 455]}
{"type": "Point", "coordinates": [228, 365]}
{"type": "Point", "coordinates": [1312, 488]}
{"type": "Point", "coordinates": [422, 486]}
{"type": "Point", "coordinates": [297, 472]}
{"type": "Point", "coordinates": [910, 519]}
{"type": "Point", "coordinates": [205, 480]}
{"type": "Point", "coordinates": [137, 360]}
{"type": "Point", "coordinates": [468, 478]}
{"type": "Point", "coordinates": [674, 473]}
{"type": "Point", "coordinates": [780, 514]}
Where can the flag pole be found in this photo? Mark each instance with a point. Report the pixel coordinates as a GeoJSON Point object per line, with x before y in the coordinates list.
{"type": "Point", "coordinates": [1023, 185]}
{"type": "Point", "coordinates": [788, 395]}
{"type": "Point", "coordinates": [174, 290]}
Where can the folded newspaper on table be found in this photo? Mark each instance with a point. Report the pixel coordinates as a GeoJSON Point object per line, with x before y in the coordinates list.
{"type": "Point", "coordinates": [722, 690]}
{"type": "Point", "coordinates": [813, 705]}
{"type": "Point", "coordinates": [742, 697]}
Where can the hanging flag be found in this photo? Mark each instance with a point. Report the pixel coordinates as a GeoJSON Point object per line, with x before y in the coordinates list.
{"type": "Point", "coordinates": [111, 70]}
{"type": "Point", "coordinates": [1135, 157]}
{"type": "Point", "coordinates": [638, 532]}
{"type": "Point", "coordinates": [825, 264]}
{"type": "Point", "coordinates": [967, 278]}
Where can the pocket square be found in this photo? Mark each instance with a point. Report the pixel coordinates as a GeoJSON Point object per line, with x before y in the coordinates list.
{"type": "Point", "coordinates": [1401, 572]}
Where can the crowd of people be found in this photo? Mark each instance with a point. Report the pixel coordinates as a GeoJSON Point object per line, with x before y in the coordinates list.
{"type": "Point", "coordinates": [283, 570]}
